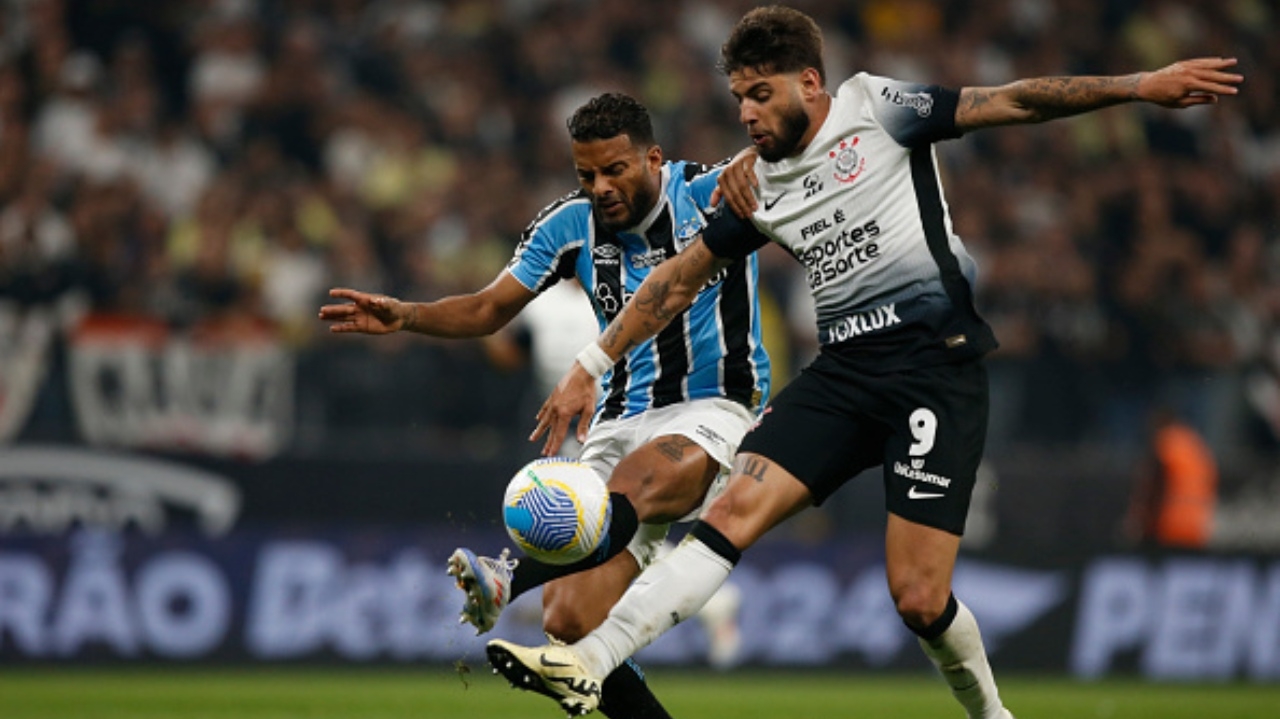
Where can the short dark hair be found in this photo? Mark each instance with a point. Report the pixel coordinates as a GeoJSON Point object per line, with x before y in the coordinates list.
{"type": "Point", "coordinates": [773, 39]}
{"type": "Point", "coordinates": [607, 116]}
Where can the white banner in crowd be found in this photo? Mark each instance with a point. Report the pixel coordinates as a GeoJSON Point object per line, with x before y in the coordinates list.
{"type": "Point", "coordinates": [25, 340]}
{"type": "Point", "coordinates": [221, 390]}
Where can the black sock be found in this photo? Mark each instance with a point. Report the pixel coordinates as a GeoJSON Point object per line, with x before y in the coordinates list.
{"type": "Point", "coordinates": [715, 541]}
{"type": "Point", "coordinates": [623, 523]}
{"type": "Point", "coordinates": [625, 695]}
{"type": "Point", "coordinates": [941, 624]}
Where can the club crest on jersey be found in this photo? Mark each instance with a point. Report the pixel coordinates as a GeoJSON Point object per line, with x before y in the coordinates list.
{"type": "Point", "coordinates": [849, 164]}
{"type": "Point", "coordinates": [688, 229]}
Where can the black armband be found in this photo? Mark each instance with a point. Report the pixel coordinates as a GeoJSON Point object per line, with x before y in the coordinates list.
{"type": "Point", "coordinates": [731, 237]}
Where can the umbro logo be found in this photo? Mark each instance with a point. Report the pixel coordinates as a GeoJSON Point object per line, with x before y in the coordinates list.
{"type": "Point", "coordinates": [915, 493]}
{"type": "Point", "coordinates": [769, 204]}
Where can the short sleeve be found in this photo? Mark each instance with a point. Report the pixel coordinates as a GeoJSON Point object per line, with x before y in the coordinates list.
{"type": "Point", "coordinates": [913, 114]}
{"type": "Point", "coordinates": [701, 180]}
{"type": "Point", "coordinates": [549, 246]}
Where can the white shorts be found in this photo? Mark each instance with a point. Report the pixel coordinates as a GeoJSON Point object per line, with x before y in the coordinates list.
{"type": "Point", "coordinates": [717, 425]}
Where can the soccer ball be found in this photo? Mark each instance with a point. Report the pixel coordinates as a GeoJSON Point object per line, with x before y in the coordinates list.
{"type": "Point", "coordinates": [556, 510]}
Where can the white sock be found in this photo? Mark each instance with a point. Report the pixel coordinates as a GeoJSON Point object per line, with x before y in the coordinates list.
{"type": "Point", "coordinates": [671, 590]}
{"type": "Point", "coordinates": [959, 655]}
{"type": "Point", "coordinates": [719, 617]}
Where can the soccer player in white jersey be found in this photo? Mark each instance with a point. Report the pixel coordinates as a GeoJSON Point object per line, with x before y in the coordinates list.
{"type": "Point", "coordinates": [673, 410]}
{"type": "Point", "coordinates": [848, 185]}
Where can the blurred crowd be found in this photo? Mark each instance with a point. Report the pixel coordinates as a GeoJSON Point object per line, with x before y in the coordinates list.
{"type": "Point", "coordinates": [196, 159]}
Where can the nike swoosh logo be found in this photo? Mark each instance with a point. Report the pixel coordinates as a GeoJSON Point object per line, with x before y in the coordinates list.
{"type": "Point", "coordinates": [542, 658]}
{"type": "Point", "coordinates": [768, 204]}
{"type": "Point", "coordinates": [915, 493]}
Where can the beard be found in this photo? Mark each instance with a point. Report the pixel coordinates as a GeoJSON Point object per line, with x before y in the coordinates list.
{"type": "Point", "coordinates": [638, 205]}
{"type": "Point", "coordinates": [795, 123]}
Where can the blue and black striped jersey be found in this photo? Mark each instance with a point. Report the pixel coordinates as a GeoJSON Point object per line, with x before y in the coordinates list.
{"type": "Point", "coordinates": [713, 349]}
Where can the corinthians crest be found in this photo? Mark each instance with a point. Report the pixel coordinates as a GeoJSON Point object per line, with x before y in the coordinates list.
{"type": "Point", "coordinates": [849, 163]}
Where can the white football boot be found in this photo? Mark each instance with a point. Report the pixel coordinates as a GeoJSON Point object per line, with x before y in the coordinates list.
{"type": "Point", "coordinates": [552, 670]}
{"type": "Point", "coordinates": [487, 583]}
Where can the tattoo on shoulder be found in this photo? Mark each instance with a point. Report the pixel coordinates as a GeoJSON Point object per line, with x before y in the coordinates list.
{"type": "Point", "coordinates": [753, 467]}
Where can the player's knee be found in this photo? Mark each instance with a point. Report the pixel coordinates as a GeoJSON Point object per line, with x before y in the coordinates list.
{"type": "Point", "coordinates": [565, 624]}
{"type": "Point", "coordinates": [920, 604]}
{"type": "Point", "coordinates": [658, 497]}
{"type": "Point", "coordinates": [636, 484]}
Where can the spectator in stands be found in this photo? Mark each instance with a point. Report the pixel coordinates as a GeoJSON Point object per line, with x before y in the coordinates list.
{"type": "Point", "coordinates": [1177, 487]}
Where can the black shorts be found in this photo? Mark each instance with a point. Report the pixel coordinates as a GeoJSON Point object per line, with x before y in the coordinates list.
{"type": "Point", "coordinates": [925, 426]}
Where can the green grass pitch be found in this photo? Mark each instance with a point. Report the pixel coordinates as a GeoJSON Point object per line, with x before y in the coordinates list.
{"type": "Point", "coordinates": [445, 693]}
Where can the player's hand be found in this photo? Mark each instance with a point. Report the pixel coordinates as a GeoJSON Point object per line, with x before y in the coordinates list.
{"type": "Point", "coordinates": [1198, 81]}
{"type": "Point", "coordinates": [737, 184]}
{"type": "Point", "coordinates": [367, 313]}
{"type": "Point", "coordinates": [574, 396]}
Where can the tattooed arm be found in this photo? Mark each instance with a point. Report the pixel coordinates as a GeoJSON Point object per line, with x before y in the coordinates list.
{"type": "Point", "coordinates": [668, 290]}
{"type": "Point", "coordinates": [1183, 84]}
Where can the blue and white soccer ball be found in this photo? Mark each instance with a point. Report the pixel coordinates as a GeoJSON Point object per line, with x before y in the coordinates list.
{"type": "Point", "coordinates": [556, 510]}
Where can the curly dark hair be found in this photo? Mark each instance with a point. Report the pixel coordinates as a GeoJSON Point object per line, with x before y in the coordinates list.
{"type": "Point", "coordinates": [607, 116]}
{"type": "Point", "coordinates": [773, 39]}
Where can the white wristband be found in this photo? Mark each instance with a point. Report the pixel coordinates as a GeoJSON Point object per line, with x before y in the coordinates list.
{"type": "Point", "coordinates": [594, 360]}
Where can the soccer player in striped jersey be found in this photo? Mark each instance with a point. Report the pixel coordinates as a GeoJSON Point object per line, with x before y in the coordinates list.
{"type": "Point", "coordinates": [848, 185]}
{"type": "Point", "coordinates": [673, 409]}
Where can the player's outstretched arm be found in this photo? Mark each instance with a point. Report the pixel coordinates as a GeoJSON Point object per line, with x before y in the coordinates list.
{"type": "Point", "coordinates": [364, 312]}
{"type": "Point", "coordinates": [1197, 81]}
{"type": "Point", "coordinates": [474, 315]}
{"type": "Point", "coordinates": [668, 290]}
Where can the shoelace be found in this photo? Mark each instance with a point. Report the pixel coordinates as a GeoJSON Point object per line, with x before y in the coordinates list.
{"type": "Point", "coordinates": [502, 563]}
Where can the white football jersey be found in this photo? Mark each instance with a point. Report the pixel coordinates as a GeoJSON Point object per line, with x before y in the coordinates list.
{"type": "Point", "coordinates": [862, 209]}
